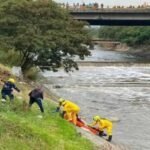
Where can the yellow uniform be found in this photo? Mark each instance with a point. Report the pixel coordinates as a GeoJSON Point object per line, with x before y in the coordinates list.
{"type": "Point", "coordinates": [71, 110]}
{"type": "Point", "coordinates": [104, 124]}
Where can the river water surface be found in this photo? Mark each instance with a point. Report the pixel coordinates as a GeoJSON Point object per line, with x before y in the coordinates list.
{"type": "Point", "coordinates": [111, 91]}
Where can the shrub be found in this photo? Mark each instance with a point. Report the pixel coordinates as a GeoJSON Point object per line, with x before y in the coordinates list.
{"type": "Point", "coordinates": [32, 73]}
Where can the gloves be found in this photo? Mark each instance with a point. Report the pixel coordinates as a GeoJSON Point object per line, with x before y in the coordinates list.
{"type": "Point", "coordinates": [101, 133]}
{"type": "Point", "coordinates": [109, 138]}
{"type": "Point", "coordinates": [57, 109]}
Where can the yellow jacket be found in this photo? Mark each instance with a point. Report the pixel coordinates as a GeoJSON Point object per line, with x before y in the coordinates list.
{"type": "Point", "coordinates": [104, 124]}
{"type": "Point", "coordinates": [70, 106]}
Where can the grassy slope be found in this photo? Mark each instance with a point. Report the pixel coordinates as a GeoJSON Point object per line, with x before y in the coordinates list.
{"type": "Point", "coordinates": [21, 129]}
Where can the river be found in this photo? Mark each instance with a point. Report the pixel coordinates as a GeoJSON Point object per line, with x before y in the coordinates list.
{"type": "Point", "coordinates": [110, 91]}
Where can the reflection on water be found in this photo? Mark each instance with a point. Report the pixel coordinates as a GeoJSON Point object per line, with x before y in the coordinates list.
{"type": "Point", "coordinates": [121, 92]}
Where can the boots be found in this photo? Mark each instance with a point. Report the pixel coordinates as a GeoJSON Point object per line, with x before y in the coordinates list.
{"type": "Point", "coordinates": [109, 138]}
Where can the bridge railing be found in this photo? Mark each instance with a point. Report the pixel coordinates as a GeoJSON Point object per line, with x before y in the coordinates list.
{"type": "Point", "coordinates": [97, 7]}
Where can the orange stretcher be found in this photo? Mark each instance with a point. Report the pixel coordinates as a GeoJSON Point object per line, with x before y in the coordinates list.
{"type": "Point", "coordinates": [83, 125]}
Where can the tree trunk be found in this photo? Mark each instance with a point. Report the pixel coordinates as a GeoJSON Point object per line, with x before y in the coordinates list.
{"type": "Point", "coordinates": [26, 65]}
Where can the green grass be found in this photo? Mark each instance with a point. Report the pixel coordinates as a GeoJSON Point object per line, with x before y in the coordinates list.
{"type": "Point", "coordinates": [21, 129]}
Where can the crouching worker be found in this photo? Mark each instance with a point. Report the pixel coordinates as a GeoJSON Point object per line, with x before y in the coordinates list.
{"type": "Point", "coordinates": [36, 96]}
{"type": "Point", "coordinates": [70, 110]}
{"type": "Point", "coordinates": [103, 124]}
{"type": "Point", "coordinates": [7, 89]}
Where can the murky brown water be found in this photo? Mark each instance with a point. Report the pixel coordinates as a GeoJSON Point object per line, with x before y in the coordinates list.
{"type": "Point", "coordinates": [111, 91]}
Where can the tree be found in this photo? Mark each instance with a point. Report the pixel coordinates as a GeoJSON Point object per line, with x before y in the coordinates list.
{"type": "Point", "coordinates": [43, 33]}
{"type": "Point", "coordinates": [132, 36]}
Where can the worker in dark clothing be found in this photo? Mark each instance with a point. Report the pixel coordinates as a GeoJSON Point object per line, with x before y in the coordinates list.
{"type": "Point", "coordinates": [7, 89]}
{"type": "Point", "coordinates": [36, 96]}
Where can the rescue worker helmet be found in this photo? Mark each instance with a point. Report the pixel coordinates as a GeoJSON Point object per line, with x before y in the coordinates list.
{"type": "Point", "coordinates": [62, 101]}
{"type": "Point", "coordinates": [11, 80]}
{"type": "Point", "coordinates": [96, 118]}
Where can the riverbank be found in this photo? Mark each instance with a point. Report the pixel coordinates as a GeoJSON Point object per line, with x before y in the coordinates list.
{"type": "Point", "coordinates": [24, 129]}
{"type": "Point", "coordinates": [19, 125]}
{"type": "Point", "coordinates": [110, 91]}
{"type": "Point", "coordinates": [142, 52]}
{"type": "Point", "coordinates": [99, 143]}
{"type": "Point", "coordinates": [120, 47]}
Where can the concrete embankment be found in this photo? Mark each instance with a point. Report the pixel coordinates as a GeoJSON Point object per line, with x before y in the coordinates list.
{"type": "Point", "coordinates": [100, 143]}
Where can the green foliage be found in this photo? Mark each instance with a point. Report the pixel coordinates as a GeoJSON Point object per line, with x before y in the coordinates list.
{"type": "Point", "coordinates": [93, 32]}
{"type": "Point", "coordinates": [133, 36]}
{"type": "Point", "coordinates": [23, 130]}
{"type": "Point", "coordinates": [10, 57]}
{"type": "Point", "coordinates": [43, 33]}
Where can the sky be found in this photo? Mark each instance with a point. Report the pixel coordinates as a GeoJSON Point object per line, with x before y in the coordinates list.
{"type": "Point", "coordinates": [107, 2]}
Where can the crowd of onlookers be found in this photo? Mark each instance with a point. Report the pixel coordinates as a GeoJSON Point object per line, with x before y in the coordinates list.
{"type": "Point", "coordinates": [96, 6]}
{"type": "Point", "coordinates": [81, 6]}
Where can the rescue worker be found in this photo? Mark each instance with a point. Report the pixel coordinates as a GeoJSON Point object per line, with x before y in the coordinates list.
{"type": "Point", "coordinates": [36, 96]}
{"type": "Point", "coordinates": [103, 124]}
{"type": "Point", "coordinates": [7, 89]}
{"type": "Point", "coordinates": [70, 110]}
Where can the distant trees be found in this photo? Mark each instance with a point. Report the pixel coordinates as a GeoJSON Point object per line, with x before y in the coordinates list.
{"type": "Point", "coordinates": [43, 33]}
{"type": "Point", "coordinates": [133, 36]}
{"type": "Point", "coordinates": [93, 32]}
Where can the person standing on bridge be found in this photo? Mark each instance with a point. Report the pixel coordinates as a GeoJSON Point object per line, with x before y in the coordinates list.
{"type": "Point", "coordinates": [103, 123]}
{"type": "Point", "coordinates": [70, 110]}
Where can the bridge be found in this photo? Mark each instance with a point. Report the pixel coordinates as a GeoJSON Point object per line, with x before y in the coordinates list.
{"type": "Point", "coordinates": [125, 16]}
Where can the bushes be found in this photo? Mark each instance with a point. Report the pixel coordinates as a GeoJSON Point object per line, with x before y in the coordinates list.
{"type": "Point", "coordinates": [133, 36]}
{"type": "Point", "coordinates": [32, 73]}
{"type": "Point", "coordinates": [9, 57]}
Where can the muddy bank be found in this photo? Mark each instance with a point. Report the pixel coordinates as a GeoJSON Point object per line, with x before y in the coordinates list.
{"type": "Point", "coordinates": [115, 46]}
{"type": "Point", "coordinates": [141, 52]}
